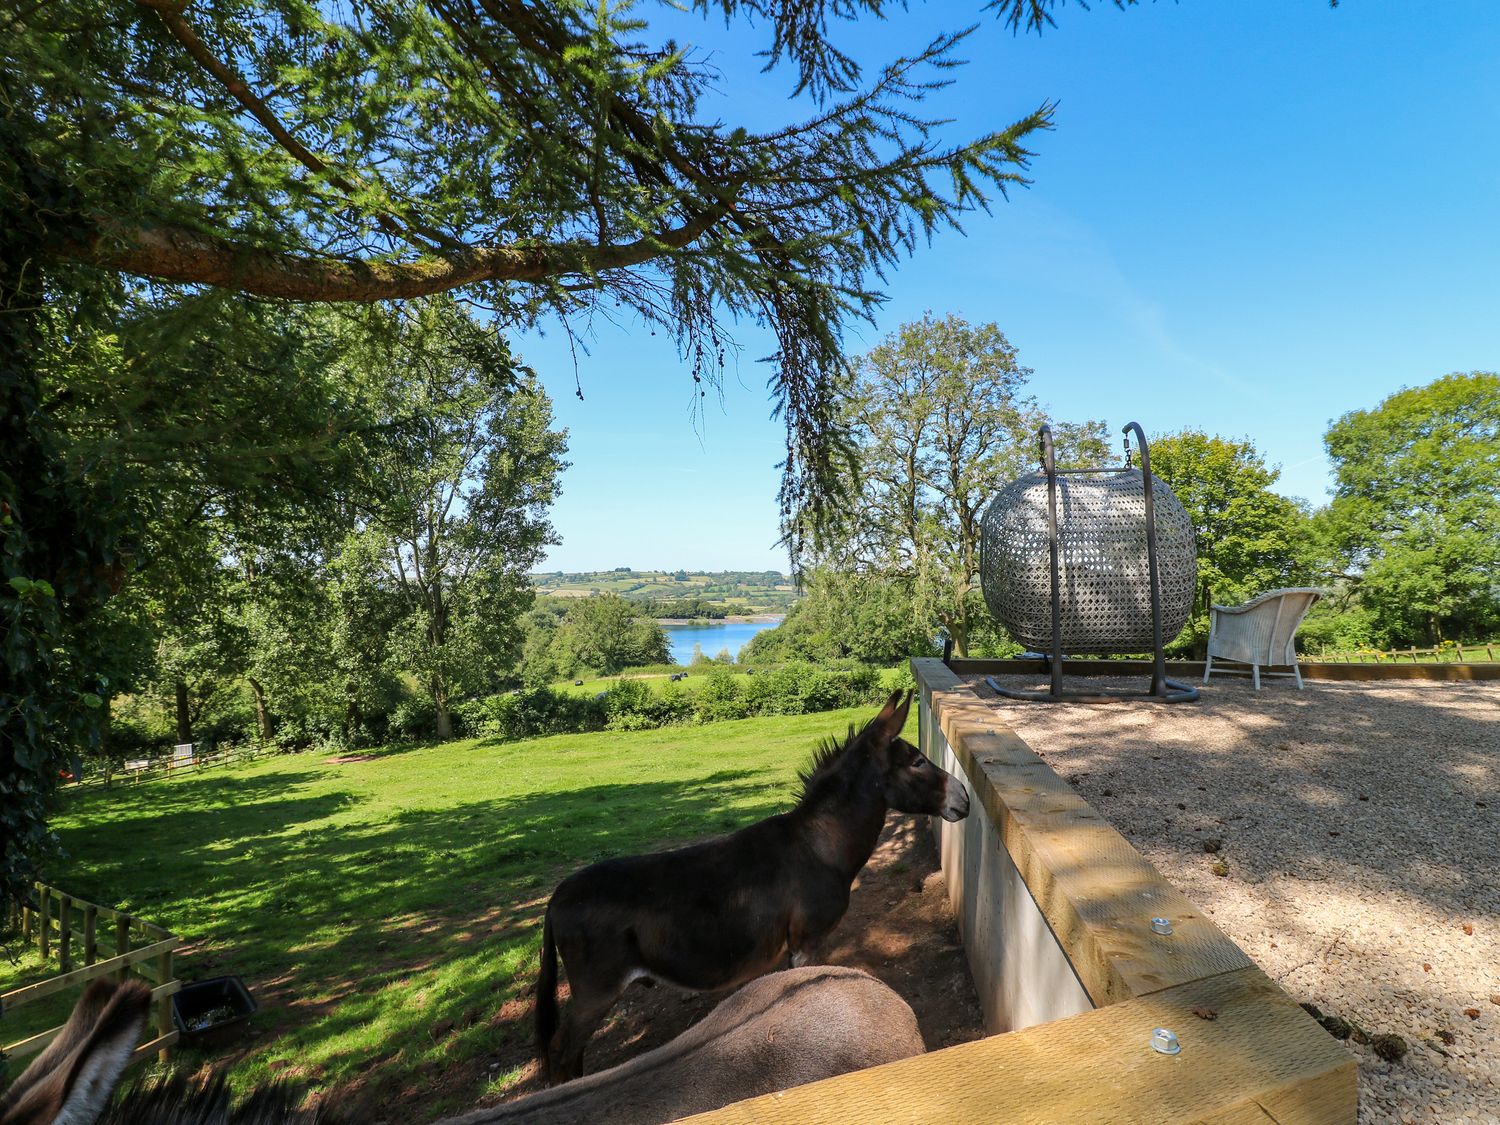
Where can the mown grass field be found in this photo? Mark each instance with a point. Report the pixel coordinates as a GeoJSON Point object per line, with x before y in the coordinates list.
{"type": "Point", "coordinates": [657, 677]}
{"type": "Point", "coordinates": [1470, 652]}
{"type": "Point", "coordinates": [366, 902]}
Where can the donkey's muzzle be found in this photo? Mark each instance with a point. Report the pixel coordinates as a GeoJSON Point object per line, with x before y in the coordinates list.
{"type": "Point", "coordinates": [955, 800]}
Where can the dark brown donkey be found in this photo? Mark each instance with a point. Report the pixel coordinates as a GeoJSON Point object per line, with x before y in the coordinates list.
{"type": "Point", "coordinates": [717, 914]}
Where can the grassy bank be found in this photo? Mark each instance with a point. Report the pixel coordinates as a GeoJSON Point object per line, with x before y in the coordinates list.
{"type": "Point", "coordinates": [369, 901]}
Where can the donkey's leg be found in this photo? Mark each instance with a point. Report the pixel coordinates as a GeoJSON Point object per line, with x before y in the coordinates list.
{"type": "Point", "coordinates": [802, 947]}
{"type": "Point", "coordinates": [586, 1011]}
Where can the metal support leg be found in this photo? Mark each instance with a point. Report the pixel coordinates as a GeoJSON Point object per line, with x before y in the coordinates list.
{"type": "Point", "coordinates": [1255, 675]}
{"type": "Point", "coordinates": [1296, 671]}
{"type": "Point", "coordinates": [1208, 666]}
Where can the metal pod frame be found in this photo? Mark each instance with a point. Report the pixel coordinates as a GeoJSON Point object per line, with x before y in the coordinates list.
{"type": "Point", "coordinates": [1169, 691]}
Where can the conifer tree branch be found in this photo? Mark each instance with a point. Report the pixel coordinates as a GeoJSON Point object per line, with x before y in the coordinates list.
{"type": "Point", "coordinates": [171, 15]}
{"type": "Point", "coordinates": [179, 254]}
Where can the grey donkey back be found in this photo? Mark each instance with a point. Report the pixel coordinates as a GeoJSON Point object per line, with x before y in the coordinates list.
{"type": "Point", "coordinates": [781, 1030]}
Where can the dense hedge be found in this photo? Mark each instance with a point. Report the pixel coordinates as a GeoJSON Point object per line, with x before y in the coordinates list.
{"type": "Point", "coordinates": [792, 689]}
{"type": "Point", "coordinates": [796, 688]}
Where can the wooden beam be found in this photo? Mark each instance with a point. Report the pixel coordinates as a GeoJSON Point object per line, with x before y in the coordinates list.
{"type": "Point", "coordinates": [1097, 893]}
{"type": "Point", "coordinates": [90, 934]}
{"type": "Point", "coordinates": [44, 922]}
{"type": "Point", "coordinates": [88, 972]}
{"type": "Point", "coordinates": [164, 1005]}
{"type": "Point", "coordinates": [64, 933]}
{"type": "Point", "coordinates": [1193, 669]}
{"type": "Point", "coordinates": [1262, 1053]}
{"type": "Point", "coordinates": [158, 1046]}
{"type": "Point", "coordinates": [105, 911]}
{"type": "Point", "coordinates": [35, 1043]}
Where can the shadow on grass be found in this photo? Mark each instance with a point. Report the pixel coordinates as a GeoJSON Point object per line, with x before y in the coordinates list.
{"type": "Point", "coordinates": [360, 937]}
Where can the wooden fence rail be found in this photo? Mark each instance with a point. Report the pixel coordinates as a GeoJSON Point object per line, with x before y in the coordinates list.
{"type": "Point", "coordinates": [163, 766]}
{"type": "Point", "coordinates": [52, 921]}
{"type": "Point", "coordinates": [1465, 653]}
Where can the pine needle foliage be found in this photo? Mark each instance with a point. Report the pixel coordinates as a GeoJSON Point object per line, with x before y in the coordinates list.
{"type": "Point", "coordinates": [550, 158]}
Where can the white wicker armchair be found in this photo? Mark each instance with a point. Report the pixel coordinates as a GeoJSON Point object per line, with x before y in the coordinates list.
{"type": "Point", "coordinates": [1260, 632]}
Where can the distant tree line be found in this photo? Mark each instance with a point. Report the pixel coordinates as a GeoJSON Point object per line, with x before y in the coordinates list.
{"type": "Point", "coordinates": [685, 607]}
{"type": "Point", "coordinates": [601, 634]}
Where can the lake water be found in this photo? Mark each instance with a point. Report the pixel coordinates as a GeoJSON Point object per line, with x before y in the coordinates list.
{"type": "Point", "coordinates": [713, 636]}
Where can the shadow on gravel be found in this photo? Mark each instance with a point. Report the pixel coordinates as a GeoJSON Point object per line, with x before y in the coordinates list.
{"type": "Point", "coordinates": [1396, 781]}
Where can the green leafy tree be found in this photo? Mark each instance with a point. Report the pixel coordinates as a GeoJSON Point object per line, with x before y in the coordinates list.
{"type": "Point", "coordinates": [871, 617]}
{"type": "Point", "coordinates": [542, 659]}
{"type": "Point", "coordinates": [1415, 516]}
{"type": "Point", "coordinates": [1249, 538]}
{"type": "Point", "coordinates": [462, 518]}
{"type": "Point", "coordinates": [607, 632]}
{"type": "Point", "coordinates": [941, 421]}
{"type": "Point", "coordinates": [363, 610]}
{"type": "Point", "coordinates": [231, 445]}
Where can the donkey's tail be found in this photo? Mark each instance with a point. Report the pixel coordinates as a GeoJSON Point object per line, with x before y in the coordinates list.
{"type": "Point", "coordinates": [546, 995]}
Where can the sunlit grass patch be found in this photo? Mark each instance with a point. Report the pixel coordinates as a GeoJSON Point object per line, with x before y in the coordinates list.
{"type": "Point", "coordinates": [386, 911]}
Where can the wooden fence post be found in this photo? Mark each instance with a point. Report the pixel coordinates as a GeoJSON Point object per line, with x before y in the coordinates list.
{"type": "Point", "coordinates": [164, 1004]}
{"type": "Point", "coordinates": [90, 936]}
{"type": "Point", "coordinates": [44, 923]}
{"type": "Point", "coordinates": [122, 942]}
{"type": "Point", "coordinates": [65, 932]}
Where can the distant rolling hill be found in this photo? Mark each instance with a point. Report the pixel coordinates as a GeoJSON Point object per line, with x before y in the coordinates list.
{"type": "Point", "coordinates": [732, 592]}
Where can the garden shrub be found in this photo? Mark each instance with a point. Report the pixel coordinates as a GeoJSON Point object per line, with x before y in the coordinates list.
{"type": "Point", "coordinates": [415, 717]}
{"type": "Point", "coordinates": [720, 697]}
{"type": "Point", "coordinates": [473, 718]}
{"type": "Point", "coordinates": [633, 705]}
{"type": "Point", "coordinates": [537, 711]}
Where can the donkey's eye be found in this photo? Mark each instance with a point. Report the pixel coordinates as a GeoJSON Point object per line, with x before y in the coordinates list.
{"type": "Point", "coordinates": [918, 762]}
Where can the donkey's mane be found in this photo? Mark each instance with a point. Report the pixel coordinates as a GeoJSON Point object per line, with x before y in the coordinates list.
{"type": "Point", "coordinates": [825, 760]}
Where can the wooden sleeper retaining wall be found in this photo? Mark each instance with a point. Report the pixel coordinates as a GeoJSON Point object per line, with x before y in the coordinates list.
{"type": "Point", "coordinates": [1055, 907]}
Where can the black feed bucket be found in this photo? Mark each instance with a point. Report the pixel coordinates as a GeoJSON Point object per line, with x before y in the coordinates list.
{"type": "Point", "coordinates": [211, 1012]}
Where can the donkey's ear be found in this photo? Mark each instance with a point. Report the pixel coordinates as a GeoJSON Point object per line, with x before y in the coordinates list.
{"type": "Point", "coordinates": [886, 726]}
{"type": "Point", "coordinates": [69, 1083]}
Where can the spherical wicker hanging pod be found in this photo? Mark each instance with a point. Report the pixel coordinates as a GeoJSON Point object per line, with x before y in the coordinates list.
{"type": "Point", "coordinates": [1104, 577]}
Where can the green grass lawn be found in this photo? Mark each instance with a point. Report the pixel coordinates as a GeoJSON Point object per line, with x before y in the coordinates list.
{"type": "Point", "coordinates": [1474, 652]}
{"type": "Point", "coordinates": [659, 676]}
{"type": "Point", "coordinates": [656, 677]}
{"type": "Point", "coordinates": [364, 902]}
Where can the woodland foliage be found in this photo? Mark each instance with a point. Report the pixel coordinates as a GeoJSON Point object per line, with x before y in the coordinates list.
{"type": "Point", "coordinates": [550, 160]}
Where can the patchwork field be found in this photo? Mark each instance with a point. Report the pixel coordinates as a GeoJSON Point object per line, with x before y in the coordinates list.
{"type": "Point", "coordinates": [739, 592]}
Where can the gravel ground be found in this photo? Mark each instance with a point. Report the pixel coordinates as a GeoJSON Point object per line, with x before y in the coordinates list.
{"type": "Point", "coordinates": [1356, 833]}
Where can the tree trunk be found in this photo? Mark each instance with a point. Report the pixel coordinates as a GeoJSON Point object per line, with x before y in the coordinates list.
{"type": "Point", "coordinates": [352, 716]}
{"type": "Point", "coordinates": [184, 716]}
{"type": "Point", "coordinates": [440, 701]}
{"type": "Point", "coordinates": [958, 632]}
{"type": "Point", "coordinates": [262, 715]}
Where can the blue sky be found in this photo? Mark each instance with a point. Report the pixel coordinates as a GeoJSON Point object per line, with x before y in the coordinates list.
{"type": "Point", "coordinates": [1251, 218]}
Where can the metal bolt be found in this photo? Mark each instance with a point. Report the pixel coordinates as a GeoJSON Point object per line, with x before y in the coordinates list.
{"type": "Point", "coordinates": [1164, 1041]}
{"type": "Point", "coordinates": [1161, 925]}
